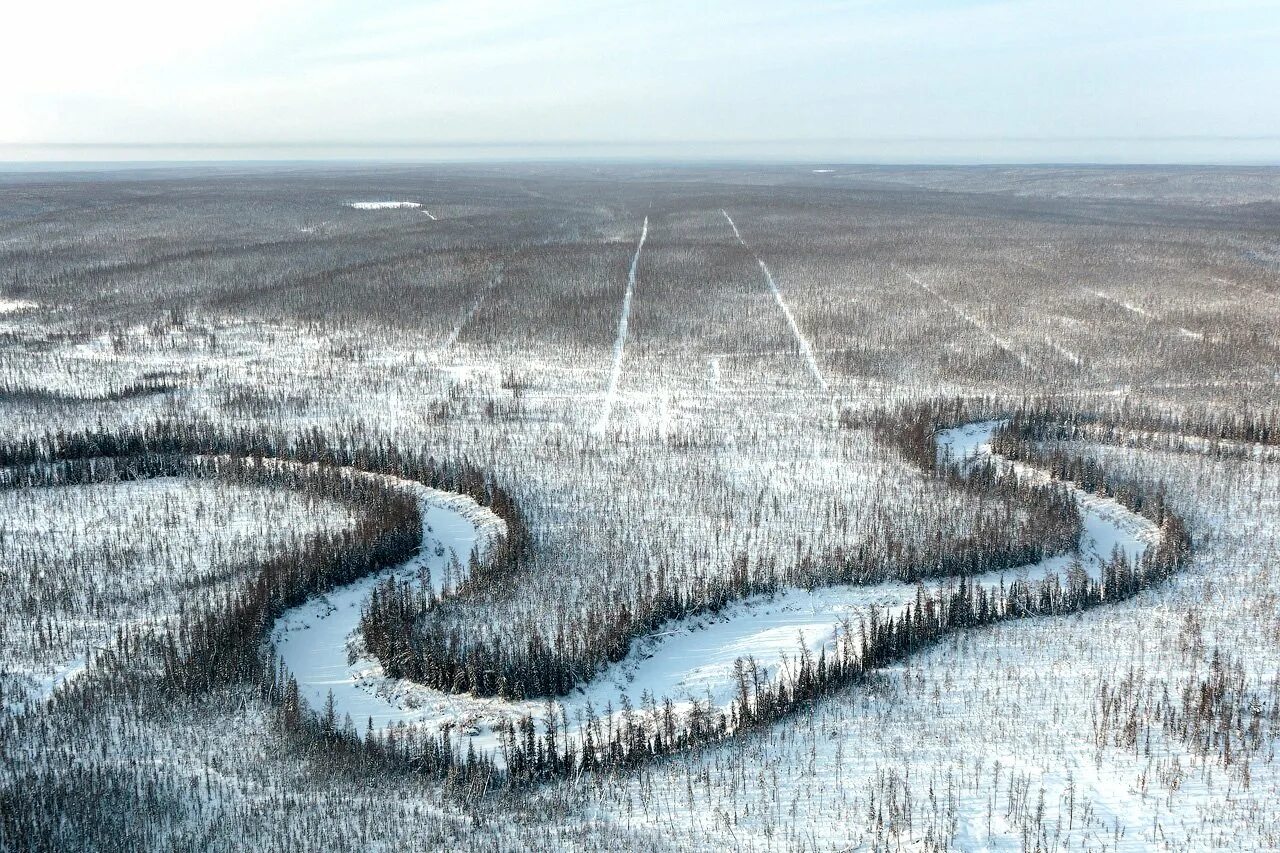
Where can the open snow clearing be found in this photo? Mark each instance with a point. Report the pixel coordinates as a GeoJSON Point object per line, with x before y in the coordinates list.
{"type": "Point", "coordinates": [383, 205]}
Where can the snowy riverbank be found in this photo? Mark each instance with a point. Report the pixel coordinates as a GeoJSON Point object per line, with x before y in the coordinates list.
{"type": "Point", "coordinates": [690, 660]}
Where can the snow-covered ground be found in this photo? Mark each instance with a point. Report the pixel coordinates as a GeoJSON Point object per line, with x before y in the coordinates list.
{"type": "Point", "coordinates": [806, 348]}
{"type": "Point", "coordinates": [10, 306]}
{"type": "Point", "coordinates": [620, 342]}
{"type": "Point", "coordinates": [382, 205]}
{"type": "Point", "coordinates": [125, 555]}
{"type": "Point", "coordinates": [688, 660]}
{"type": "Point", "coordinates": [991, 739]}
{"type": "Point", "coordinates": [718, 445]}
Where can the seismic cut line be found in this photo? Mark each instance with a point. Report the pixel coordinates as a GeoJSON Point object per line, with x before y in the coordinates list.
{"type": "Point", "coordinates": [471, 312]}
{"type": "Point", "coordinates": [1247, 289]}
{"type": "Point", "coordinates": [805, 349]}
{"type": "Point", "coordinates": [615, 375]}
{"type": "Point", "coordinates": [1147, 315]}
{"type": "Point", "coordinates": [968, 318]}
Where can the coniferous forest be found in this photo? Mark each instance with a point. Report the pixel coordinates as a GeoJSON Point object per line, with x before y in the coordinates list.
{"type": "Point", "coordinates": [639, 507]}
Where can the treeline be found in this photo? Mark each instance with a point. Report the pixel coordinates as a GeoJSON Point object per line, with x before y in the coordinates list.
{"type": "Point", "coordinates": [404, 629]}
{"type": "Point", "coordinates": [1046, 524]}
{"type": "Point", "coordinates": [910, 429]}
{"type": "Point", "coordinates": [626, 735]}
{"type": "Point", "coordinates": [921, 422]}
{"type": "Point", "coordinates": [352, 449]}
{"type": "Point", "coordinates": [221, 641]}
{"type": "Point", "coordinates": [147, 386]}
{"type": "Point", "coordinates": [1108, 420]}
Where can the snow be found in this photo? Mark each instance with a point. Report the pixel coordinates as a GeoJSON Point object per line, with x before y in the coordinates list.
{"type": "Point", "coordinates": [315, 640]}
{"type": "Point", "coordinates": [12, 306]}
{"type": "Point", "coordinates": [974, 321]}
{"type": "Point", "coordinates": [383, 205]}
{"type": "Point", "coordinates": [1131, 308]}
{"type": "Point", "coordinates": [1256, 291]}
{"type": "Point", "coordinates": [752, 465]}
{"type": "Point", "coordinates": [974, 719]}
{"type": "Point", "coordinates": [806, 349]}
{"type": "Point", "coordinates": [1069, 355]}
{"type": "Point", "coordinates": [34, 684]}
{"type": "Point", "coordinates": [615, 374]}
{"type": "Point", "coordinates": [67, 672]}
{"type": "Point", "coordinates": [125, 555]}
{"type": "Point", "coordinates": [688, 660]}
{"type": "Point", "coordinates": [470, 313]}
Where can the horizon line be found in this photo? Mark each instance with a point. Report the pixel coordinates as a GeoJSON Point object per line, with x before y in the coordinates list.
{"type": "Point", "coordinates": [631, 143]}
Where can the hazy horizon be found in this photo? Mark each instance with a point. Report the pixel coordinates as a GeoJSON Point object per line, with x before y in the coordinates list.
{"type": "Point", "coordinates": [925, 81]}
{"type": "Point", "coordinates": [1203, 151]}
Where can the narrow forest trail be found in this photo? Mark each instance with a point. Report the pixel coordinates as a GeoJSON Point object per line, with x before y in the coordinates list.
{"type": "Point", "coordinates": [691, 661]}
{"type": "Point", "coordinates": [471, 312]}
{"type": "Point", "coordinates": [960, 312]}
{"type": "Point", "coordinates": [1255, 291]}
{"type": "Point", "coordinates": [620, 343]}
{"type": "Point", "coordinates": [806, 350]}
{"type": "Point", "coordinates": [1146, 315]}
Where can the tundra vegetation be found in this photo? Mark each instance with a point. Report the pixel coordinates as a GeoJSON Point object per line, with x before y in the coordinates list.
{"type": "Point", "coordinates": [530, 507]}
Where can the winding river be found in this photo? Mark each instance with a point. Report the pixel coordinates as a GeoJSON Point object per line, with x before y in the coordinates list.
{"type": "Point", "coordinates": [688, 660]}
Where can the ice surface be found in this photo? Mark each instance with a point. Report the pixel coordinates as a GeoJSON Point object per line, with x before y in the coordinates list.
{"type": "Point", "coordinates": [688, 660]}
{"type": "Point", "coordinates": [382, 205]}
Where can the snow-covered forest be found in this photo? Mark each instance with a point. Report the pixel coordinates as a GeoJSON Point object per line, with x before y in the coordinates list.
{"type": "Point", "coordinates": [640, 508]}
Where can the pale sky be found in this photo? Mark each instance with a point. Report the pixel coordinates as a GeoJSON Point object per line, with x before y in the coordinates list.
{"type": "Point", "coordinates": [943, 80]}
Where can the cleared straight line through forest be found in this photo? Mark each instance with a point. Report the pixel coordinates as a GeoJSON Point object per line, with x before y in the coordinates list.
{"type": "Point", "coordinates": [471, 312]}
{"type": "Point", "coordinates": [1247, 289]}
{"type": "Point", "coordinates": [611, 393]}
{"type": "Point", "coordinates": [1147, 315]}
{"type": "Point", "coordinates": [805, 349]}
{"type": "Point", "coordinates": [1069, 355]}
{"type": "Point", "coordinates": [969, 318]}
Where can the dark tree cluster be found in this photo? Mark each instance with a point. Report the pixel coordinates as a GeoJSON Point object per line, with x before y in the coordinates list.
{"type": "Point", "coordinates": [145, 386]}
{"type": "Point", "coordinates": [1114, 422]}
{"type": "Point", "coordinates": [527, 661]}
{"type": "Point", "coordinates": [619, 739]}
{"type": "Point", "coordinates": [221, 641]}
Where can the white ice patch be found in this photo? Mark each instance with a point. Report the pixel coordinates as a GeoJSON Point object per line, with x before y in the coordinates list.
{"type": "Point", "coordinates": [318, 641]}
{"type": "Point", "coordinates": [688, 660]}
{"type": "Point", "coordinates": [382, 205]}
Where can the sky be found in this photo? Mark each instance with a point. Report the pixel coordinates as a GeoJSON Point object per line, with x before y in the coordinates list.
{"type": "Point", "coordinates": [868, 81]}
